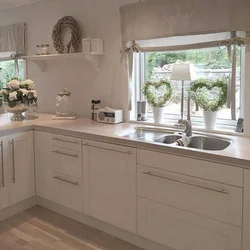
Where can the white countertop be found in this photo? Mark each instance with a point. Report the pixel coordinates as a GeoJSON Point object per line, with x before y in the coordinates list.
{"type": "Point", "coordinates": [238, 154]}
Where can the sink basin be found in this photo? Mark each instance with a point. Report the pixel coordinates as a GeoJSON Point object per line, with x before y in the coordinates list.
{"type": "Point", "coordinates": [145, 134]}
{"type": "Point", "coordinates": [168, 139]}
{"type": "Point", "coordinates": [209, 143]}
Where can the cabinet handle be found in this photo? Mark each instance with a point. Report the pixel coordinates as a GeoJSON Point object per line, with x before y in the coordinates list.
{"type": "Point", "coordinates": [62, 140]}
{"type": "Point", "coordinates": [223, 191]}
{"type": "Point", "coordinates": [2, 162]}
{"type": "Point", "coordinates": [114, 150]}
{"type": "Point", "coordinates": [70, 182]}
{"type": "Point", "coordinates": [13, 161]}
{"type": "Point", "coordinates": [61, 153]}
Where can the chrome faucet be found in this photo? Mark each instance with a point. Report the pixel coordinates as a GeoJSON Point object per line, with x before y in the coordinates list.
{"type": "Point", "coordinates": [187, 123]}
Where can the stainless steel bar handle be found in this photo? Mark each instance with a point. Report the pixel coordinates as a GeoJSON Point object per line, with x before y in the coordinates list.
{"type": "Point", "coordinates": [13, 161]}
{"type": "Point", "coordinates": [223, 191]}
{"type": "Point", "coordinates": [61, 153]}
{"type": "Point", "coordinates": [70, 182]}
{"type": "Point", "coordinates": [62, 140]}
{"type": "Point", "coordinates": [114, 150]}
{"type": "Point", "coordinates": [2, 162]}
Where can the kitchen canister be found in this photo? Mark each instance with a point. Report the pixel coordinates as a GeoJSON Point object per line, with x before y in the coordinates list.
{"type": "Point", "coordinates": [86, 45]}
{"type": "Point", "coordinates": [97, 45]}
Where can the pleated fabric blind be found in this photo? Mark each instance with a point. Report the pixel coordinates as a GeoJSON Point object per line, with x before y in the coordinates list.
{"type": "Point", "coordinates": [167, 18]}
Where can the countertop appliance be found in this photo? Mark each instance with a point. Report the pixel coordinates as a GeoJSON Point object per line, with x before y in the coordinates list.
{"type": "Point", "coordinates": [109, 115]}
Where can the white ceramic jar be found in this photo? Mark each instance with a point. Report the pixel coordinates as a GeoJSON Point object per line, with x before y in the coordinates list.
{"type": "Point", "coordinates": [86, 45]}
{"type": "Point", "coordinates": [97, 46]}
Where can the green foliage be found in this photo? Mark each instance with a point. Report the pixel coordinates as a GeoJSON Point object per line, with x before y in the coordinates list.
{"type": "Point", "coordinates": [212, 95]}
{"type": "Point", "coordinates": [8, 71]}
{"type": "Point", "coordinates": [212, 58]}
{"type": "Point", "coordinates": [157, 93]}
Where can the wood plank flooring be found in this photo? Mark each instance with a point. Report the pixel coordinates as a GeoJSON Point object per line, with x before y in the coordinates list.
{"type": "Point", "coordinates": [42, 229]}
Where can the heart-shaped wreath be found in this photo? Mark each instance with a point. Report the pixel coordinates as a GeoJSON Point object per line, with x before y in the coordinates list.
{"type": "Point", "coordinates": [212, 95]}
{"type": "Point", "coordinates": [157, 93]}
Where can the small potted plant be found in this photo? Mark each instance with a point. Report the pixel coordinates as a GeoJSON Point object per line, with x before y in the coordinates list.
{"type": "Point", "coordinates": [17, 96]}
{"type": "Point", "coordinates": [212, 96]}
{"type": "Point", "coordinates": [157, 95]}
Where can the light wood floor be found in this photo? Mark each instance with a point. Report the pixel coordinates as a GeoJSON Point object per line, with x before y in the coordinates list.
{"type": "Point", "coordinates": [42, 229]}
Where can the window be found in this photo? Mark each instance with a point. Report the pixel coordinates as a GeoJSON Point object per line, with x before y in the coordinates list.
{"type": "Point", "coordinates": [8, 71]}
{"type": "Point", "coordinates": [210, 63]}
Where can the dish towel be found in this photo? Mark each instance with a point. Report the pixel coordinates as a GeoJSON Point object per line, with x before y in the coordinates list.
{"type": "Point", "coordinates": [183, 142]}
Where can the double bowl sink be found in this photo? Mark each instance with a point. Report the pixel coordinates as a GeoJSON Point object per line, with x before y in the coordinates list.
{"type": "Point", "coordinates": [163, 136]}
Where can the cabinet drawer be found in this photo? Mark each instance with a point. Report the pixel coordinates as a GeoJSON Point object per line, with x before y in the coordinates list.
{"type": "Point", "coordinates": [181, 230]}
{"type": "Point", "coordinates": [66, 142]}
{"type": "Point", "coordinates": [192, 167]}
{"type": "Point", "coordinates": [214, 200]}
{"type": "Point", "coordinates": [68, 191]}
{"type": "Point", "coordinates": [67, 162]}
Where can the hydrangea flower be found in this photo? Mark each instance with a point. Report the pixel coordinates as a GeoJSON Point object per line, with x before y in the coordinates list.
{"type": "Point", "coordinates": [13, 96]}
{"type": "Point", "coordinates": [14, 84]}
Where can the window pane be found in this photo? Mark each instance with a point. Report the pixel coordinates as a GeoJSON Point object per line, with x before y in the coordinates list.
{"type": "Point", "coordinates": [8, 71]}
{"type": "Point", "coordinates": [211, 63]}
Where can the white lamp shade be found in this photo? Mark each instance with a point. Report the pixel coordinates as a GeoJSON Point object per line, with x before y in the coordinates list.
{"type": "Point", "coordinates": [183, 72]}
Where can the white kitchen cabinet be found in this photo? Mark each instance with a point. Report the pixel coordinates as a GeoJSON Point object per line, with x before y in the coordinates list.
{"type": "Point", "coordinates": [181, 230]}
{"type": "Point", "coordinates": [207, 198]}
{"type": "Point", "coordinates": [68, 191]}
{"type": "Point", "coordinates": [246, 211]}
{"type": "Point", "coordinates": [44, 165]}
{"type": "Point", "coordinates": [109, 176]}
{"type": "Point", "coordinates": [21, 159]}
{"type": "Point", "coordinates": [4, 174]}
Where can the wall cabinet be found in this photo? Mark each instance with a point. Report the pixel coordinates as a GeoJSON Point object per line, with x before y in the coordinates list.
{"type": "Point", "coordinates": [109, 174]}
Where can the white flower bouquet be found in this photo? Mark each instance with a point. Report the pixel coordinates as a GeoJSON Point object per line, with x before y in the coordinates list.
{"type": "Point", "coordinates": [19, 92]}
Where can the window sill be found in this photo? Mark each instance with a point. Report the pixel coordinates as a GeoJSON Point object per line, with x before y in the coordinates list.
{"type": "Point", "coordinates": [196, 128]}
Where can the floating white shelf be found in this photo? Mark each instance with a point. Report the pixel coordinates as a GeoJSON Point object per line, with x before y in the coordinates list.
{"type": "Point", "coordinates": [41, 61]}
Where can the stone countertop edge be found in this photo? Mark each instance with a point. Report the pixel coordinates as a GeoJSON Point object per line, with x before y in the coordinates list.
{"type": "Point", "coordinates": [238, 154]}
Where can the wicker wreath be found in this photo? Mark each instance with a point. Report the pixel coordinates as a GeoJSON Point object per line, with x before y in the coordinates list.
{"type": "Point", "coordinates": [66, 22]}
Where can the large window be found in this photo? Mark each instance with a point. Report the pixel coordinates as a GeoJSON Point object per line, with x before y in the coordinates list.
{"type": "Point", "coordinates": [210, 63]}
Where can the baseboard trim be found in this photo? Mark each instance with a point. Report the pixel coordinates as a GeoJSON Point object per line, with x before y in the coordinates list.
{"type": "Point", "coordinates": [18, 208]}
{"type": "Point", "coordinates": [102, 226]}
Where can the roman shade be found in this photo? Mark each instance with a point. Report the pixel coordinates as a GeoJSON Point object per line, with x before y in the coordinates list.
{"type": "Point", "coordinates": [167, 18]}
{"type": "Point", "coordinates": [12, 43]}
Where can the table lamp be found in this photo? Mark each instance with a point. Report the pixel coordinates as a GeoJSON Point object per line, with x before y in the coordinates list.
{"type": "Point", "coordinates": [182, 71]}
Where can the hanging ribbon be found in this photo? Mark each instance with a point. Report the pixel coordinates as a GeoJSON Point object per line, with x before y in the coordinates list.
{"type": "Point", "coordinates": [128, 51]}
{"type": "Point", "coordinates": [15, 57]}
{"type": "Point", "coordinates": [231, 45]}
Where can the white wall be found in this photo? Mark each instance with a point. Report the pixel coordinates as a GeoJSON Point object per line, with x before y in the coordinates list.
{"type": "Point", "coordinates": [97, 18]}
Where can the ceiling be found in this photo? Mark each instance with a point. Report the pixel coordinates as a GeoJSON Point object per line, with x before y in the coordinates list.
{"type": "Point", "coordinates": [6, 4]}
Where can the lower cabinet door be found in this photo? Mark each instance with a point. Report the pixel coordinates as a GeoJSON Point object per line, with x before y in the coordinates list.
{"type": "Point", "coordinates": [4, 177]}
{"type": "Point", "coordinates": [182, 230]}
{"type": "Point", "coordinates": [21, 155]}
{"type": "Point", "coordinates": [109, 173]}
{"type": "Point", "coordinates": [68, 191]}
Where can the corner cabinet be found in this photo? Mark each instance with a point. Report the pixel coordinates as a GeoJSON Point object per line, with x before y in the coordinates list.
{"type": "Point", "coordinates": [109, 173]}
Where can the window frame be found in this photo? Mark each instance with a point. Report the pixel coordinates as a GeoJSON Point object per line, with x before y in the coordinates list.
{"type": "Point", "coordinates": [198, 123]}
